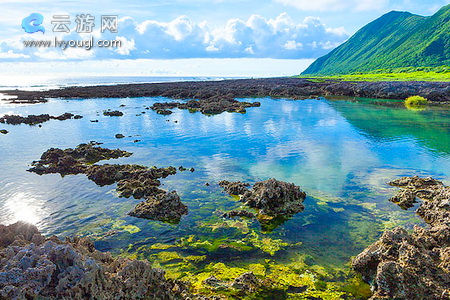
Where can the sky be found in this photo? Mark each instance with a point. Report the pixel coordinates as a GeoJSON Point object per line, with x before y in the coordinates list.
{"type": "Point", "coordinates": [189, 37]}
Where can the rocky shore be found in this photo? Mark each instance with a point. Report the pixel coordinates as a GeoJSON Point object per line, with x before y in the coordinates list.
{"type": "Point", "coordinates": [402, 265]}
{"type": "Point", "coordinates": [35, 267]}
{"type": "Point", "coordinates": [295, 88]}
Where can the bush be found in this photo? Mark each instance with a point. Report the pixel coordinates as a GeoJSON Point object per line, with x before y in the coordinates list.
{"type": "Point", "coordinates": [416, 101]}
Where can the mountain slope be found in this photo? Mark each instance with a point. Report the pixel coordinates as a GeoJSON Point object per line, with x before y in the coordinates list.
{"type": "Point", "coordinates": [395, 40]}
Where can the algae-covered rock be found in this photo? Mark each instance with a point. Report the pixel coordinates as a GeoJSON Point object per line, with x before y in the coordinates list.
{"type": "Point", "coordinates": [402, 265]}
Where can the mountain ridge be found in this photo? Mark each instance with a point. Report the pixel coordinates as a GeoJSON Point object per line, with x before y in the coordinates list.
{"type": "Point", "coordinates": [395, 40]}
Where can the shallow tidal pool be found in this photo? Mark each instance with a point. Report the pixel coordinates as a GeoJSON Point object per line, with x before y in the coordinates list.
{"type": "Point", "coordinates": [340, 152]}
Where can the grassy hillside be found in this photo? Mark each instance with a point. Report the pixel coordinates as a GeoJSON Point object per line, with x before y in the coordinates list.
{"type": "Point", "coordinates": [395, 40]}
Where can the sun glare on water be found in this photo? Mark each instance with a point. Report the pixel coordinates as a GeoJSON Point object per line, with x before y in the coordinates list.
{"type": "Point", "coordinates": [24, 207]}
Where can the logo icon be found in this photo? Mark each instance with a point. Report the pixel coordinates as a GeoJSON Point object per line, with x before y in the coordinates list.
{"type": "Point", "coordinates": [32, 23]}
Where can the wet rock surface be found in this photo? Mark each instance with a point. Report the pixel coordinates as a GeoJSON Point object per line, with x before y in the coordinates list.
{"type": "Point", "coordinates": [402, 265]}
{"type": "Point", "coordinates": [271, 197]}
{"type": "Point", "coordinates": [135, 181]}
{"type": "Point", "coordinates": [295, 88]}
{"type": "Point", "coordinates": [35, 119]}
{"type": "Point", "coordinates": [161, 206]}
{"type": "Point", "coordinates": [4, 131]}
{"type": "Point", "coordinates": [213, 105]}
{"type": "Point", "coordinates": [114, 113]}
{"type": "Point", "coordinates": [35, 267]}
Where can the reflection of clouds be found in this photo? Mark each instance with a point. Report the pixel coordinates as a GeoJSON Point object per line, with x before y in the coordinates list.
{"type": "Point", "coordinates": [221, 166]}
{"type": "Point", "coordinates": [311, 157]}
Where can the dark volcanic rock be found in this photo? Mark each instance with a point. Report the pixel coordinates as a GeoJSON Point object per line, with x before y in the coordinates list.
{"type": "Point", "coordinates": [212, 105]}
{"type": "Point", "coordinates": [163, 206]}
{"type": "Point", "coordinates": [119, 136]}
{"type": "Point", "coordinates": [218, 91]}
{"type": "Point", "coordinates": [114, 113]}
{"type": "Point", "coordinates": [35, 119]}
{"type": "Point", "coordinates": [164, 112]}
{"type": "Point", "coordinates": [234, 188]}
{"type": "Point", "coordinates": [275, 197]}
{"type": "Point", "coordinates": [73, 161]}
{"type": "Point", "coordinates": [271, 197]}
{"type": "Point", "coordinates": [132, 180]}
{"type": "Point", "coordinates": [239, 213]}
{"type": "Point", "coordinates": [33, 267]}
{"type": "Point", "coordinates": [4, 131]}
{"type": "Point", "coordinates": [402, 265]}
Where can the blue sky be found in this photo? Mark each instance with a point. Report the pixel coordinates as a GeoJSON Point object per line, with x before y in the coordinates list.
{"type": "Point", "coordinates": [187, 37]}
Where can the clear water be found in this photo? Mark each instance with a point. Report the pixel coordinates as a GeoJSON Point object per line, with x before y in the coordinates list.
{"type": "Point", "coordinates": [340, 152]}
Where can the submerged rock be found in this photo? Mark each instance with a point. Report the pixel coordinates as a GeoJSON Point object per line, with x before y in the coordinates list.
{"type": "Point", "coordinates": [271, 197]}
{"type": "Point", "coordinates": [402, 265]}
{"type": "Point", "coordinates": [33, 267]}
{"type": "Point", "coordinates": [163, 206]}
{"type": "Point", "coordinates": [239, 213]}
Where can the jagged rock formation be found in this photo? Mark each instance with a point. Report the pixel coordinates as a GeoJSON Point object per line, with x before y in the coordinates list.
{"type": "Point", "coordinates": [32, 266]}
{"type": "Point", "coordinates": [211, 105]}
{"type": "Point", "coordinates": [402, 265]}
{"type": "Point", "coordinates": [271, 197]}
{"type": "Point", "coordinates": [35, 119]}
{"type": "Point", "coordinates": [132, 180]}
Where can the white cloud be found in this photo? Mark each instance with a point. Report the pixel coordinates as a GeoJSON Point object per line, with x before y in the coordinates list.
{"type": "Point", "coordinates": [256, 37]}
{"type": "Point", "coordinates": [336, 5]}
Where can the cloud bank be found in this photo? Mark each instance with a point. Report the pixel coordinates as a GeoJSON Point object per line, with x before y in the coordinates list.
{"type": "Point", "coordinates": [257, 37]}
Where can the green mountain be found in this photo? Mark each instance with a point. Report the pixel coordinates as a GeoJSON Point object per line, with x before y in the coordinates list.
{"type": "Point", "coordinates": [395, 40]}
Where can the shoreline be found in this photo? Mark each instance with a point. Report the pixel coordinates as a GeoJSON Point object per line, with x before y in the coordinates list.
{"type": "Point", "coordinates": [285, 87]}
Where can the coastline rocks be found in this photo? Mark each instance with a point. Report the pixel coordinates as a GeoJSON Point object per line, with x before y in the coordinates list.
{"type": "Point", "coordinates": [402, 265]}
{"type": "Point", "coordinates": [73, 161]}
{"type": "Point", "coordinates": [271, 197]}
{"type": "Point", "coordinates": [4, 131]}
{"type": "Point", "coordinates": [114, 113]}
{"type": "Point", "coordinates": [163, 206]}
{"type": "Point", "coordinates": [132, 180]}
{"type": "Point", "coordinates": [284, 87]}
{"type": "Point", "coordinates": [119, 136]}
{"type": "Point", "coordinates": [35, 119]}
{"type": "Point", "coordinates": [211, 106]}
{"type": "Point", "coordinates": [164, 112]}
{"type": "Point", "coordinates": [35, 267]}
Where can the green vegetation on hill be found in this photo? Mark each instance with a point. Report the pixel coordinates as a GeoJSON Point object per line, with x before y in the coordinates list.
{"type": "Point", "coordinates": [394, 74]}
{"type": "Point", "coordinates": [395, 40]}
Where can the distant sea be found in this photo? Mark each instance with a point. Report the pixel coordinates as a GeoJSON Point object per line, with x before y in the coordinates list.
{"type": "Point", "coordinates": [46, 82]}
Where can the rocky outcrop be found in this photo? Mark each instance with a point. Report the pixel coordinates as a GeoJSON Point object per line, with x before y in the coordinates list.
{"type": "Point", "coordinates": [271, 197]}
{"type": "Point", "coordinates": [212, 105]}
{"type": "Point", "coordinates": [162, 206]}
{"type": "Point", "coordinates": [73, 161]}
{"type": "Point", "coordinates": [234, 188]}
{"type": "Point", "coordinates": [113, 113]}
{"type": "Point", "coordinates": [35, 119]}
{"type": "Point", "coordinates": [132, 180]}
{"type": "Point", "coordinates": [35, 267]}
{"type": "Point", "coordinates": [402, 265]}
